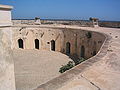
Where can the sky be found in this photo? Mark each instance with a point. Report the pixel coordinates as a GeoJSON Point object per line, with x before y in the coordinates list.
{"type": "Point", "coordinates": [65, 9]}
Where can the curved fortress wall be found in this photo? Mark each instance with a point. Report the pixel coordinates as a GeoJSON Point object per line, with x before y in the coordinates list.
{"type": "Point", "coordinates": [75, 43]}
{"type": "Point", "coordinates": [7, 79]}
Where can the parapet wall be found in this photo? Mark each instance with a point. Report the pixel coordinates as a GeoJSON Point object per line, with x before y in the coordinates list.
{"type": "Point", "coordinates": [110, 24]}
{"type": "Point", "coordinates": [7, 79]}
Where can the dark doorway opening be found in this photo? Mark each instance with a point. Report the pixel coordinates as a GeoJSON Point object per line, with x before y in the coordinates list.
{"type": "Point", "coordinates": [36, 44]}
{"type": "Point", "coordinates": [94, 49]}
{"type": "Point", "coordinates": [82, 52]}
{"type": "Point", "coordinates": [68, 48]}
{"type": "Point", "coordinates": [94, 53]}
{"type": "Point", "coordinates": [53, 45]}
{"type": "Point", "coordinates": [20, 43]}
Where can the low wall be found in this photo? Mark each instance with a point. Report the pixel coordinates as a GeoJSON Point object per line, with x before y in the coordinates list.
{"type": "Point", "coordinates": [26, 22]}
{"type": "Point", "coordinates": [110, 24]}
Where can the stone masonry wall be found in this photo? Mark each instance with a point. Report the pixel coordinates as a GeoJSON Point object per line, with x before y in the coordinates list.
{"type": "Point", "coordinates": [61, 36]}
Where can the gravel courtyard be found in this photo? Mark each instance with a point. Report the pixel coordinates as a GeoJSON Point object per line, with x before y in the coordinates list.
{"type": "Point", "coordinates": [33, 67]}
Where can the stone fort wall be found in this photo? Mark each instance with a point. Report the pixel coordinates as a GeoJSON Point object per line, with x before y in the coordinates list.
{"type": "Point", "coordinates": [73, 42]}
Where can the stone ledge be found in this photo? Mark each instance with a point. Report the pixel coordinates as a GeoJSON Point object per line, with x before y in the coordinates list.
{"type": "Point", "coordinates": [5, 24]}
{"type": "Point", "coordinates": [5, 7]}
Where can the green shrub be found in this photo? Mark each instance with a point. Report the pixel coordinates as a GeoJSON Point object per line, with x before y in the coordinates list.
{"type": "Point", "coordinates": [89, 35]}
{"type": "Point", "coordinates": [67, 67]}
{"type": "Point", "coordinates": [80, 61]}
{"type": "Point", "coordinates": [70, 65]}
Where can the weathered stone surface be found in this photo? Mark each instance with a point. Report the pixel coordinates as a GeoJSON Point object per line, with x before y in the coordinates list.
{"type": "Point", "coordinates": [34, 67]}
{"type": "Point", "coordinates": [61, 36]}
{"type": "Point", "coordinates": [7, 79]}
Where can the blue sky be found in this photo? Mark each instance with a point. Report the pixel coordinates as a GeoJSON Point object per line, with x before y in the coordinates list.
{"type": "Point", "coordinates": [65, 9]}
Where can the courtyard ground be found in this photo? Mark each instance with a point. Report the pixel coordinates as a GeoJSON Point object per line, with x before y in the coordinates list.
{"type": "Point", "coordinates": [35, 67]}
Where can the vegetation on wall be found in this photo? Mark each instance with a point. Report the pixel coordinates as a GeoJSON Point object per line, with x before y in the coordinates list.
{"type": "Point", "coordinates": [70, 65]}
{"type": "Point", "coordinates": [89, 35]}
{"type": "Point", "coordinates": [67, 67]}
{"type": "Point", "coordinates": [80, 61]}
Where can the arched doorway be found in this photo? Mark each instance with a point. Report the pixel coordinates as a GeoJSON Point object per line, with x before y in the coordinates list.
{"type": "Point", "coordinates": [94, 53]}
{"type": "Point", "coordinates": [53, 45]}
{"type": "Point", "coordinates": [20, 43]}
{"type": "Point", "coordinates": [82, 52]}
{"type": "Point", "coordinates": [36, 44]}
{"type": "Point", "coordinates": [68, 48]}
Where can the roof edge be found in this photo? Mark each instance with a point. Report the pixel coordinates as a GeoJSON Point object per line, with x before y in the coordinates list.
{"type": "Point", "coordinates": [6, 7]}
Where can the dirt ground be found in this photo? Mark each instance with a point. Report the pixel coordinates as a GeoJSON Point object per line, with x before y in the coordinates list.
{"type": "Point", "coordinates": [33, 67]}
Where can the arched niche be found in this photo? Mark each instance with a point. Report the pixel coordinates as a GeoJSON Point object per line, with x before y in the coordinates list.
{"type": "Point", "coordinates": [68, 46]}
{"type": "Point", "coordinates": [82, 54]}
{"type": "Point", "coordinates": [36, 44]}
{"type": "Point", "coordinates": [52, 45]}
{"type": "Point", "coordinates": [20, 43]}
